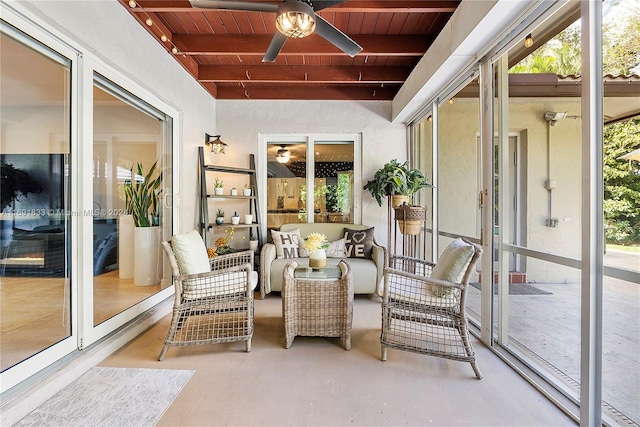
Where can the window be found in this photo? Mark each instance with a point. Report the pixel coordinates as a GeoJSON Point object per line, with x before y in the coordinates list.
{"type": "Point", "coordinates": [328, 165]}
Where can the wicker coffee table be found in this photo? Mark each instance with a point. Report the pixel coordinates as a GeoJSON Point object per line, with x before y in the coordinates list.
{"type": "Point", "coordinates": [317, 303]}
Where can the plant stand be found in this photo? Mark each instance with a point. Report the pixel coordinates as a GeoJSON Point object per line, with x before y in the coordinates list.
{"type": "Point", "coordinates": [409, 220]}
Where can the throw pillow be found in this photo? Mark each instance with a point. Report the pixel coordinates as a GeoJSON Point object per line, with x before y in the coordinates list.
{"type": "Point", "coordinates": [358, 243]}
{"type": "Point", "coordinates": [287, 243]}
{"type": "Point", "coordinates": [452, 264]}
{"type": "Point", "coordinates": [191, 253]}
{"type": "Point", "coordinates": [336, 249]}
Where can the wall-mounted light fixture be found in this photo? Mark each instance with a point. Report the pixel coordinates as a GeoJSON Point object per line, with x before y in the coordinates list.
{"type": "Point", "coordinates": [553, 117]}
{"type": "Point", "coordinates": [217, 146]}
{"type": "Point", "coordinates": [528, 42]}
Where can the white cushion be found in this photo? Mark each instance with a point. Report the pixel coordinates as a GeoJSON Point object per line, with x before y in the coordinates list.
{"type": "Point", "coordinates": [221, 284]}
{"type": "Point", "coordinates": [287, 243]}
{"type": "Point", "coordinates": [452, 264]}
{"type": "Point", "coordinates": [191, 253]}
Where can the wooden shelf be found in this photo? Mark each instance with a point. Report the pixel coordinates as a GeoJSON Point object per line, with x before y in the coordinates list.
{"type": "Point", "coordinates": [206, 226]}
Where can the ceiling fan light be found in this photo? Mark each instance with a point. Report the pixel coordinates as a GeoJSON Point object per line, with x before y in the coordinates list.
{"type": "Point", "coordinates": [295, 19]}
{"type": "Point", "coordinates": [283, 155]}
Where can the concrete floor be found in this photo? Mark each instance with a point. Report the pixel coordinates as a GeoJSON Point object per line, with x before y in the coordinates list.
{"type": "Point", "coordinates": [317, 383]}
{"type": "Point", "coordinates": [547, 328]}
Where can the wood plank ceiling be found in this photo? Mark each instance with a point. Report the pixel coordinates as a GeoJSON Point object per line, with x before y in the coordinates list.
{"type": "Point", "coordinates": [223, 50]}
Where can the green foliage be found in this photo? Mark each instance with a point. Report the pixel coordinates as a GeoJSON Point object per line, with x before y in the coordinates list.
{"type": "Point", "coordinates": [143, 197]}
{"type": "Point", "coordinates": [15, 183]}
{"type": "Point", "coordinates": [562, 54]}
{"type": "Point", "coordinates": [396, 178]}
{"type": "Point", "coordinates": [621, 183]}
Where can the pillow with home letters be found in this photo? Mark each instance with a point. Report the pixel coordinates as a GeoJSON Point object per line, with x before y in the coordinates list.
{"type": "Point", "coordinates": [358, 243]}
{"type": "Point", "coordinates": [335, 250]}
{"type": "Point", "coordinates": [287, 243]}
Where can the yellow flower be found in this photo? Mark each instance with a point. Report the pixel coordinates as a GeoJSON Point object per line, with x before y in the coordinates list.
{"type": "Point", "coordinates": [211, 252]}
{"type": "Point", "coordinates": [315, 241]}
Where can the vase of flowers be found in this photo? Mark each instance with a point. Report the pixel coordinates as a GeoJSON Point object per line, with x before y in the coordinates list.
{"type": "Point", "coordinates": [315, 244]}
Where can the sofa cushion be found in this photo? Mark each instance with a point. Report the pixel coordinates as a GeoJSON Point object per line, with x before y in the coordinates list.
{"type": "Point", "coordinates": [287, 243]}
{"type": "Point", "coordinates": [358, 243]}
{"type": "Point", "coordinates": [191, 253]}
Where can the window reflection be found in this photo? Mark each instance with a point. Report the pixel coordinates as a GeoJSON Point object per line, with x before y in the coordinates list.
{"type": "Point", "coordinates": [288, 199]}
{"type": "Point", "coordinates": [34, 244]}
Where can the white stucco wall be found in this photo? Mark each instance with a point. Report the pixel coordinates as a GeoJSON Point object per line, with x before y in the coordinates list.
{"type": "Point", "coordinates": [241, 123]}
{"type": "Point", "coordinates": [105, 29]}
{"type": "Point", "coordinates": [458, 169]}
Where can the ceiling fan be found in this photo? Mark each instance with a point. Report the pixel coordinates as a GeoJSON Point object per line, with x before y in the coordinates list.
{"type": "Point", "coordinates": [294, 18]}
{"type": "Point", "coordinates": [283, 155]}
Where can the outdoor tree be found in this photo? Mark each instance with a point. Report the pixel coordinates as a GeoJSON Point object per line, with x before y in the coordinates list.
{"type": "Point", "coordinates": [620, 56]}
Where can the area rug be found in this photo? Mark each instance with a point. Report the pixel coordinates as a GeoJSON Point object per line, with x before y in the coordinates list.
{"type": "Point", "coordinates": [111, 397]}
{"type": "Point", "coordinates": [518, 289]}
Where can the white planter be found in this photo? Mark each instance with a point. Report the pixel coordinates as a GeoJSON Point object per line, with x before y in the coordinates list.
{"type": "Point", "coordinates": [253, 245]}
{"type": "Point", "coordinates": [318, 259]}
{"type": "Point", "coordinates": [235, 220]}
{"type": "Point", "coordinates": [125, 246]}
{"type": "Point", "coordinates": [248, 219]}
{"type": "Point", "coordinates": [218, 191]}
{"type": "Point", "coordinates": [146, 256]}
{"type": "Point", "coordinates": [246, 191]}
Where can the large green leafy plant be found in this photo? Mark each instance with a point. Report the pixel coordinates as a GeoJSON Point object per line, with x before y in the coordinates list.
{"type": "Point", "coordinates": [396, 178]}
{"type": "Point", "coordinates": [142, 196]}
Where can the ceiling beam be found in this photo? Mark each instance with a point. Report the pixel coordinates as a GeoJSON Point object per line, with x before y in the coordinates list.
{"type": "Point", "coordinates": [312, 92]}
{"type": "Point", "coordinates": [302, 74]}
{"type": "Point", "coordinates": [373, 45]}
{"type": "Point", "coordinates": [379, 6]}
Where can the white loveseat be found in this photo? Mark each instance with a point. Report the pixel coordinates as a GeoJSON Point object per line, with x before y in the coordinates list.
{"type": "Point", "coordinates": [367, 273]}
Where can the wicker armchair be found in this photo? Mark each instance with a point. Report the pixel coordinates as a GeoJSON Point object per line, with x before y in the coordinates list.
{"type": "Point", "coordinates": [423, 313]}
{"type": "Point", "coordinates": [214, 306]}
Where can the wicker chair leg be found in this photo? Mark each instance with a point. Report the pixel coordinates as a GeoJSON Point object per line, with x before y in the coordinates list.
{"type": "Point", "coordinates": [247, 345]}
{"type": "Point", "coordinates": [476, 370]}
{"type": "Point", "coordinates": [163, 352]}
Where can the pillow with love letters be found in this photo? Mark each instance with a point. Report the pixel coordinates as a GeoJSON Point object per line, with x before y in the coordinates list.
{"type": "Point", "coordinates": [358, 243]}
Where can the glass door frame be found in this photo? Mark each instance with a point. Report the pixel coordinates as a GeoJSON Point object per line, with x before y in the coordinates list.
{"type": "Point", "coordinates": [14, 24]}
{"type": "Point", "coordinates": [90, 333]}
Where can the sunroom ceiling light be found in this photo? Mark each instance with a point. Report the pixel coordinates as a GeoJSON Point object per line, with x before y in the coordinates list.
{"type": "Point", "coordinates": [528, 42]}
{"type": "Point", "coordinates": [295, 19]}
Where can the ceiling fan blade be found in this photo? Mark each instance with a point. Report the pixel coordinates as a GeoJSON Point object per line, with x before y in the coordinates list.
{"type": "Point", "coordinates": [336, 37]}
{"type": "Point", "coordinates": [274, 47]}
{"type": "Point", "coordinates": [323, 4]}
{"type": "Point", "coordinates": [234, 5]}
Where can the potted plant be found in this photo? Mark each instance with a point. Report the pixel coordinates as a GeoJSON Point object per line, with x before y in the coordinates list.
{"type": "Point", "coordinates": [395, 179]}
{"type": "Point", "coordinates": [253, 241]}
{"type": "Point", "coordinates": [220, 217]}
{"type": "Point", "coordinates": [235, 219]}
{"type": "Point", "coordinates": [247, 190]}
{"type": "Point", "coordinates": [218, 187]}
{"type": "Point", "coordinates": [143, 192]}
